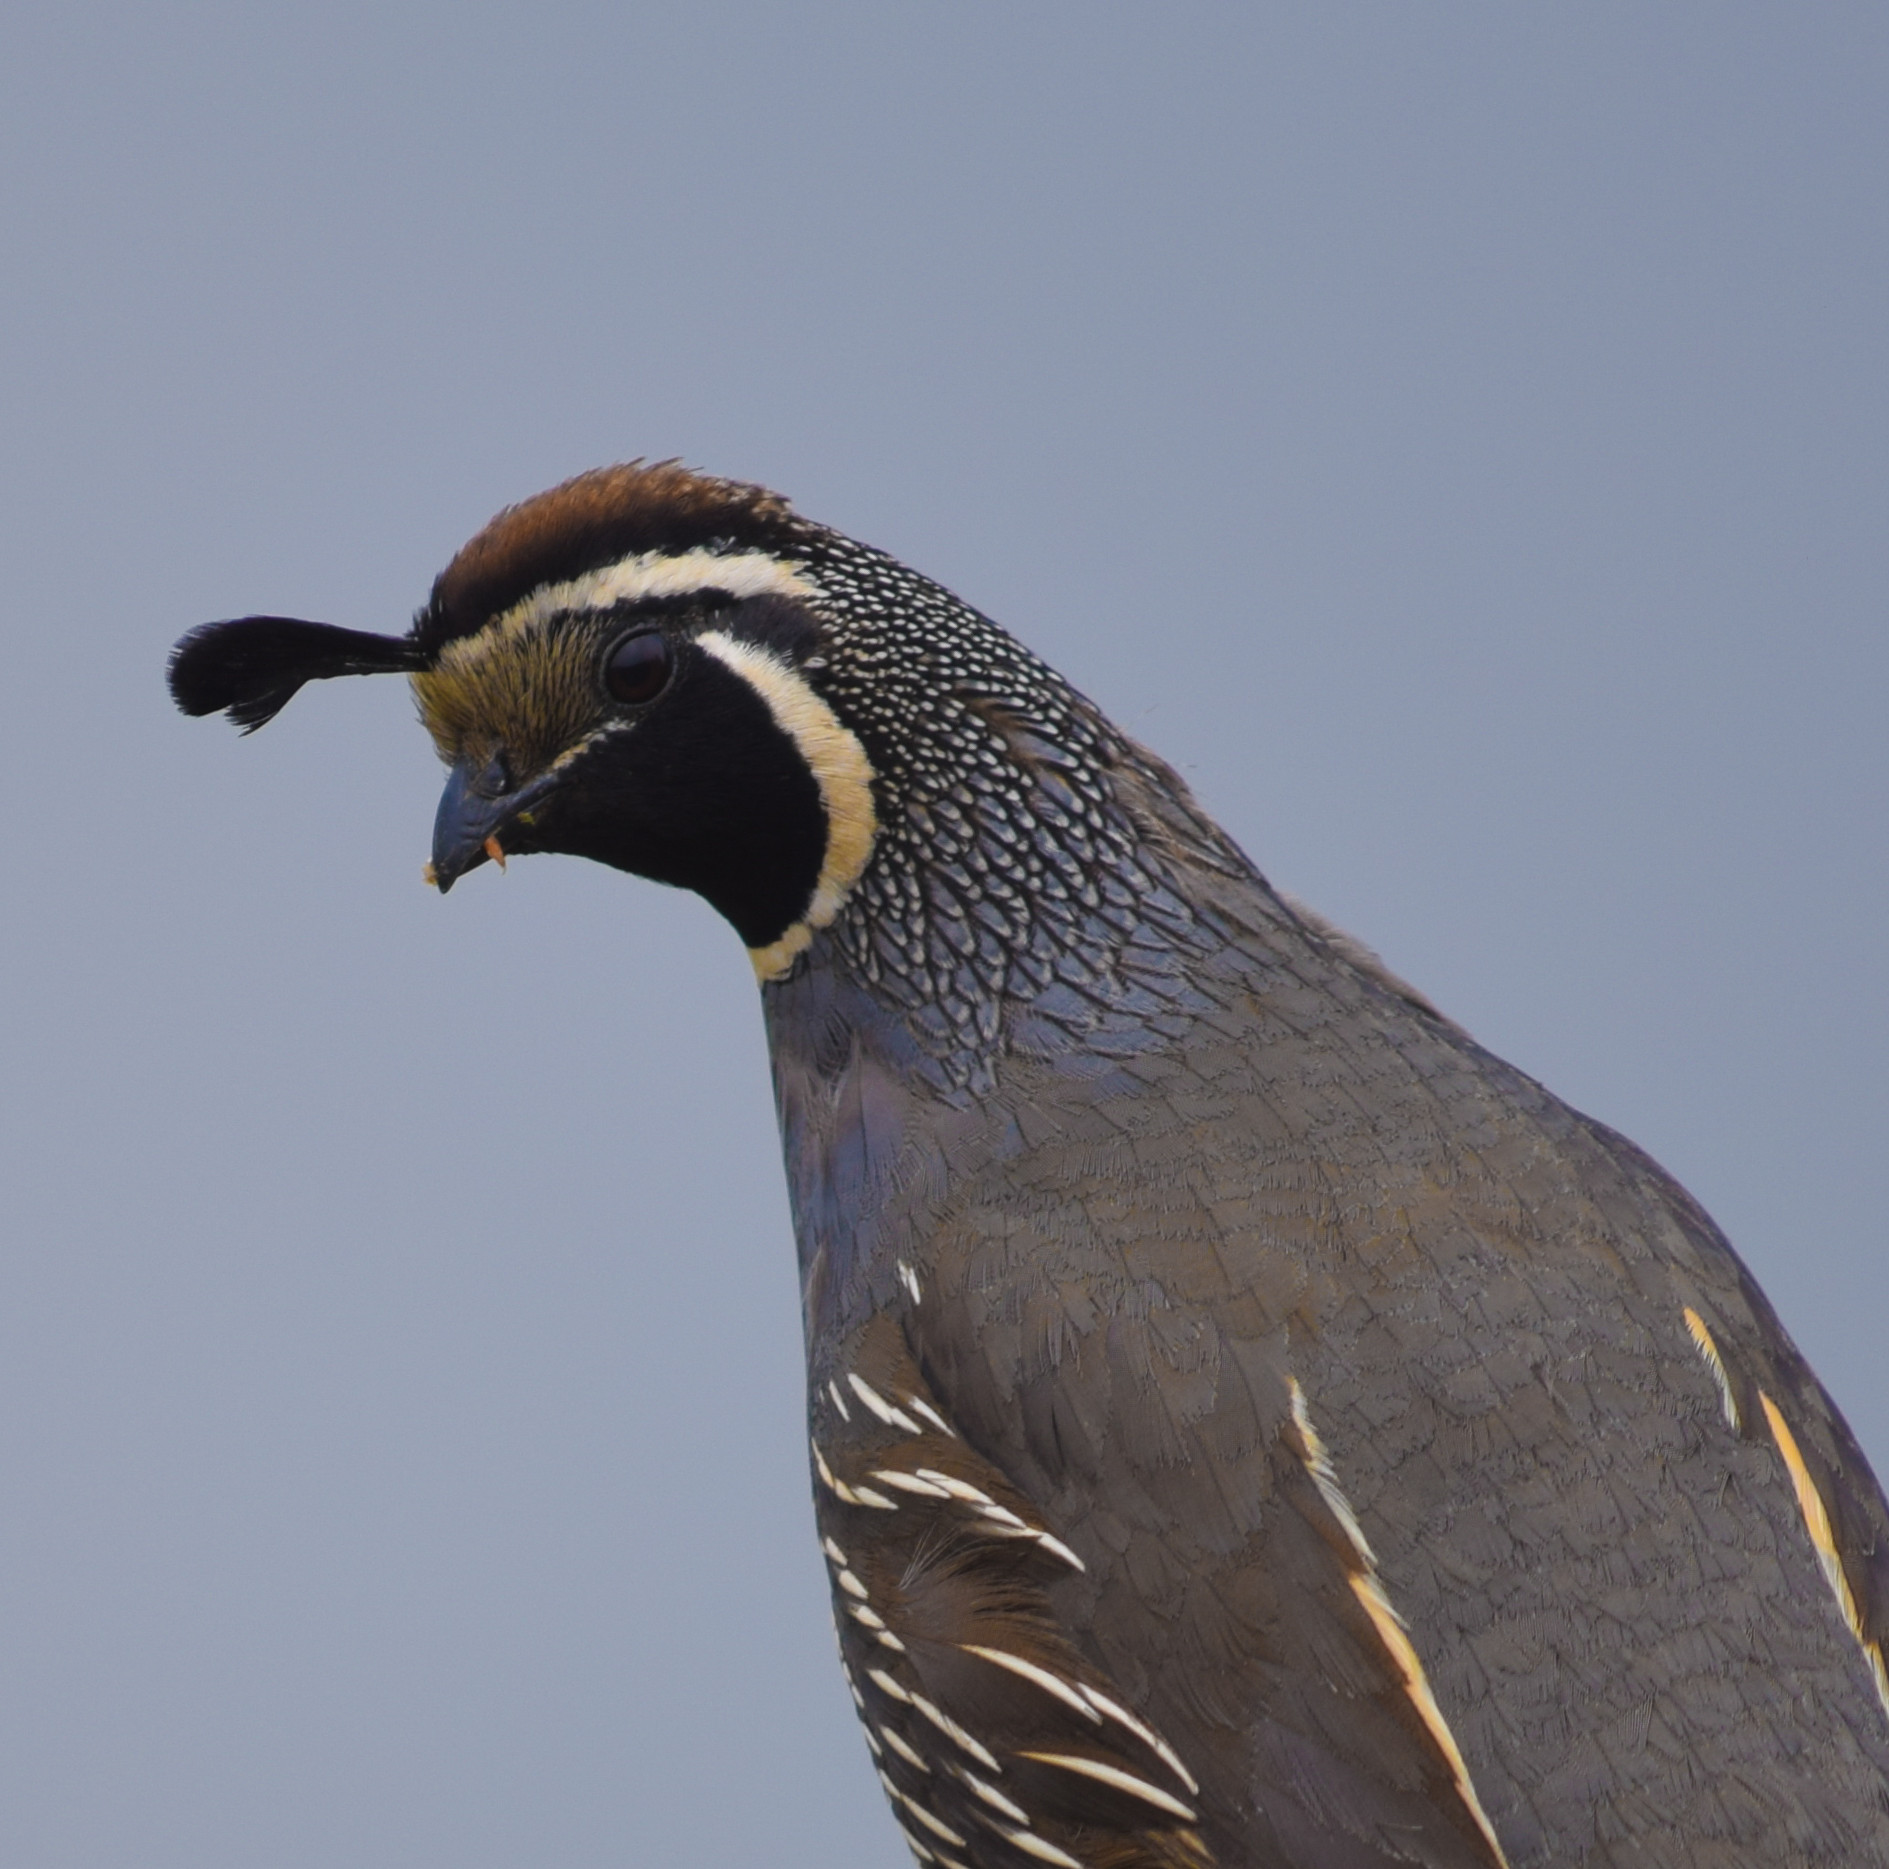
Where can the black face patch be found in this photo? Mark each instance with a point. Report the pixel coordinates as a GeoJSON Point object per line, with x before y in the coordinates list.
{"type": "Point", "coordinates": [706, 792]}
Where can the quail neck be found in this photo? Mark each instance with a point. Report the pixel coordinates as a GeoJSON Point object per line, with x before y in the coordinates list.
{"type": "Point", "coordinates": [1026, 921]}
{"type": "Point", "coordinates": [1012, 892]}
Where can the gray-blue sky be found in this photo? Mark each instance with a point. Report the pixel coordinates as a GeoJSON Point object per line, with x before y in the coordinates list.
{"type": "Point", "coordinates": [1456, 436]}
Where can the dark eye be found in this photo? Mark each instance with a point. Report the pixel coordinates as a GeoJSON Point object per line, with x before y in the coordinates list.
{"type": "Point", "coordinates": [638, 668]}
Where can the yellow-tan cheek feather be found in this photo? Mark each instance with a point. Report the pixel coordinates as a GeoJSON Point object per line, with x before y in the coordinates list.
{"type": "Point", "coordinates": [841, 770]}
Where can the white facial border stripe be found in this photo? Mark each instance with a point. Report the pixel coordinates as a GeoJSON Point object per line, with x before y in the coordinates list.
{"type": "Point", "coordinates": [841, 770]}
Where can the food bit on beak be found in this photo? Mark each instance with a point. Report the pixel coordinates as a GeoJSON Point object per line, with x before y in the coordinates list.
{"type": "Point", "coordinates": [429, 875]}
{"type": "Point", "coordinates": [494, 850]}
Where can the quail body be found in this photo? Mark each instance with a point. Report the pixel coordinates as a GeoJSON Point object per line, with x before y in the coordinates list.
{"type": "Point", "coordinates": [1251, 1425]}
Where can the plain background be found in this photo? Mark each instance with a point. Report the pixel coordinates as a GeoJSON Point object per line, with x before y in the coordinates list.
{"type": "Point", "coordinates": [1454, 434]}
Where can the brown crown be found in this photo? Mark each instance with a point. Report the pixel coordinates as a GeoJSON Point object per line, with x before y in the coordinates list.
{"type": "Point", "coordinates": [591, 521]}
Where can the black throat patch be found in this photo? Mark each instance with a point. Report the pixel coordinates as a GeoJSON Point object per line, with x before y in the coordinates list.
{"type": "Point", "coordinates": [711, 794]}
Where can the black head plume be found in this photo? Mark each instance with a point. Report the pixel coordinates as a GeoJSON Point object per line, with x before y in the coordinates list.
{"type": "Point", "coordinates": [251, 666]}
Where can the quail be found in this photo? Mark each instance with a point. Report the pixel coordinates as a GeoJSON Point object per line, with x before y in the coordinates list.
{"type": "Point", "coordinates": [1251, 1425]}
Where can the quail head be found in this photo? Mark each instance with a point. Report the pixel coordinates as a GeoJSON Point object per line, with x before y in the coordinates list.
{"type": "Point", "coordinates": [1250, 1424]}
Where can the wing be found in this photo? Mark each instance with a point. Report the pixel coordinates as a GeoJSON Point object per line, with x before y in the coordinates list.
{"type": "Point", "coordinates": [1002, 1735]}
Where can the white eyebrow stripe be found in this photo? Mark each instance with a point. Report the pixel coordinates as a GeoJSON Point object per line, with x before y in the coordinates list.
{"type": "Point", "coordinates": [646, 575]}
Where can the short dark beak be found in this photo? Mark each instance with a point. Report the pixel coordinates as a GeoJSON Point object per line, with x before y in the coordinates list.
{"type": "Point", "coordinates": [475, 811]}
